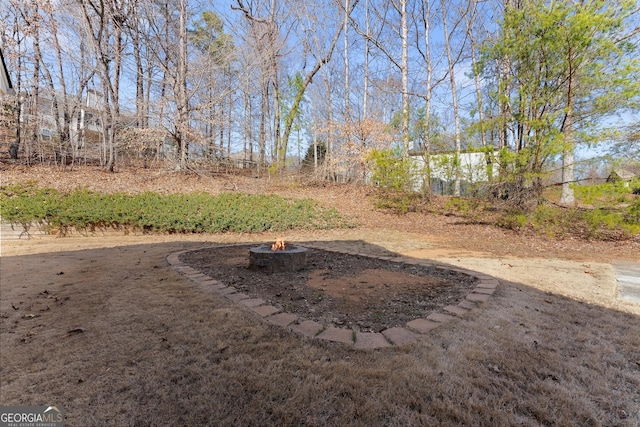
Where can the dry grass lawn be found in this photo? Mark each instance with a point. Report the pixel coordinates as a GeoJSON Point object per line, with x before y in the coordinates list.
{"type": "Point", "coordinates": [101, 326]}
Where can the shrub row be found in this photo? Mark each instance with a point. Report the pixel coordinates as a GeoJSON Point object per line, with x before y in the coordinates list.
{"type": "Point", "coordinates": [174, 213]}
{"type": "Point", "coordinates": [596, 223]}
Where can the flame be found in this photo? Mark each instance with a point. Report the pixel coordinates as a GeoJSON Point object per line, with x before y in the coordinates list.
{"type": "Point", "coordinates": [278, 245]}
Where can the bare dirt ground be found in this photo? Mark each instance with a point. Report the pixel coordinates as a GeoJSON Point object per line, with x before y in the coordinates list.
{"type": "Point", "coordinates": [360, 293]}
{"type": "Point", "coordinates": [100, 325]}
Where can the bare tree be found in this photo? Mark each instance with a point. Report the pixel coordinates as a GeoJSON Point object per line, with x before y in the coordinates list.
{"type": "Point", "coordinates": [365, 80]}
{"type": "Point", "coordinates": [347, 89]}
{"type": "Point", "coordinates": [104, 24]}
{"type": "Point", "coordinates": [470, 20]}
{"type": "Point", "coordinates": [264, 36]}
{"type": "Point", "coordinates": [181, 87]}
{"type": "Point", "coordinates": [14, 51]}
{"type": "Point", "coordinates": [452, 61]}
{"type": "Point", "coordinates": [135, 30]}
{"type": "Point", "coordinates": [66, 100]}
{"type": "Point", "coordinates": [321, 58]}
{"type": "Point", "coordinates": [401, 29]}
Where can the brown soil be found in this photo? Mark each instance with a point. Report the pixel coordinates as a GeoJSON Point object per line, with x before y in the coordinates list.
{"type": "Point", "coordinates": [361, 293]}
{"type": "Point", "coordinates": [100, 325]}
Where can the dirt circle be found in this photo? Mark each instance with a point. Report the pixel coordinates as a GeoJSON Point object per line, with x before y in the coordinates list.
{"type": "Point", "coordinates": [353, 291]}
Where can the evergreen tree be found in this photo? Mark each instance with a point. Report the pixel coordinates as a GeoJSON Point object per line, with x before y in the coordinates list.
{"type": "Point", "coordinates": [570, 66]}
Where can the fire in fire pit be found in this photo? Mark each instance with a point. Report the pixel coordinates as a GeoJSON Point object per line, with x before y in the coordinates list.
{"type": "Point", "coordinates": [278, 257]}
{"type": "Point", "coordinates": [278, 245]}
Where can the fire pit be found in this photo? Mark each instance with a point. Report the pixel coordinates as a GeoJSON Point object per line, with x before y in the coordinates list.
{"type": "Point", "coordinates": [277, 258]}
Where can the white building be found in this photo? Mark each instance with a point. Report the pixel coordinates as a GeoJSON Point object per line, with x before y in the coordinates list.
{"type": "Point", "coordinates": [6, 88]}
{"type": "Point", "coordinates": [475, 168]}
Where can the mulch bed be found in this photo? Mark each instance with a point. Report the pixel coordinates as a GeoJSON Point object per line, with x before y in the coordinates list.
{"type": "Point", "coordinates": [357, 292]}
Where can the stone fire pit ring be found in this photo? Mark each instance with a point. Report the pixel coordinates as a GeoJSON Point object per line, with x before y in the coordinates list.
{"type": "Point", "coordinates": [398, 335]}
{"type": "Point", "coordinates": [262, 258]}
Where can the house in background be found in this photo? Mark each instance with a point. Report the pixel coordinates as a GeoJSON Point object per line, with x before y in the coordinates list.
{"type": "Point", "coordinates": [7, 116]}
{"type": "Point", "coordinates": [475, 168]}
{"type": "Point", "coordinates": [42, 115]}
{"type": "Point", "coordinates": [243, 159]}
{"type": "Point", "coordinates": [624, 174]}
{"type": "Point", "coordinates": [6, 88]}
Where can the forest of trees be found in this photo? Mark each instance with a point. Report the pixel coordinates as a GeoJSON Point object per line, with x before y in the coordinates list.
{"type": "Point", "coordinates": [525, 81]}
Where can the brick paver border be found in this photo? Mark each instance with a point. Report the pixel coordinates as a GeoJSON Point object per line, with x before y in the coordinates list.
{"type": "Point", "coordinates": [410, 332]}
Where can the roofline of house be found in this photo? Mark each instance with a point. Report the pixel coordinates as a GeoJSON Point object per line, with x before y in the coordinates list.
{"type": "Point", "coordinates": [6, 72]}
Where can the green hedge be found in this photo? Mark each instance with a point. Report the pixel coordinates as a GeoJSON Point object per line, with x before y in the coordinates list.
{"type": "Point", "coordinates": [174, 213]}
{"type": "Point", "coordinates": [596, 223]}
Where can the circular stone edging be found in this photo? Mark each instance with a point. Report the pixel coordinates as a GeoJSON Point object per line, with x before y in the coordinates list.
{"type": "Point", "coordinates": [398, 335]}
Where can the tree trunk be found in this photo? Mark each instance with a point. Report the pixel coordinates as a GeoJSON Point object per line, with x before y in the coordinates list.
{"type": "Point", "coordinates": [35, 113]}
{"type": "Point", "coordinates": [567, 197]}
{"type": "Point", "coordinates": [181, 90]}
{"type": "Point", "coordinates": [229, 121]}
{"type": "Point", "coordinates": [428, 93]}
{"type": "Point", "coordinates": [264, 107]}
{"type": "Point", "coordinates": [329, 157]}
{"type": "Point", "coordinates": [454, 99]}
{"type": "Point", "coordinates": [365, 89]}
{"type": "Point", "coordinates": [347, 90]}
{"type": "Point", "coordinates": [137, 53]}
{"type": "Point", "coordinates": [476, 77]}
{"type": "Point", "coordinates": [405, 77]}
